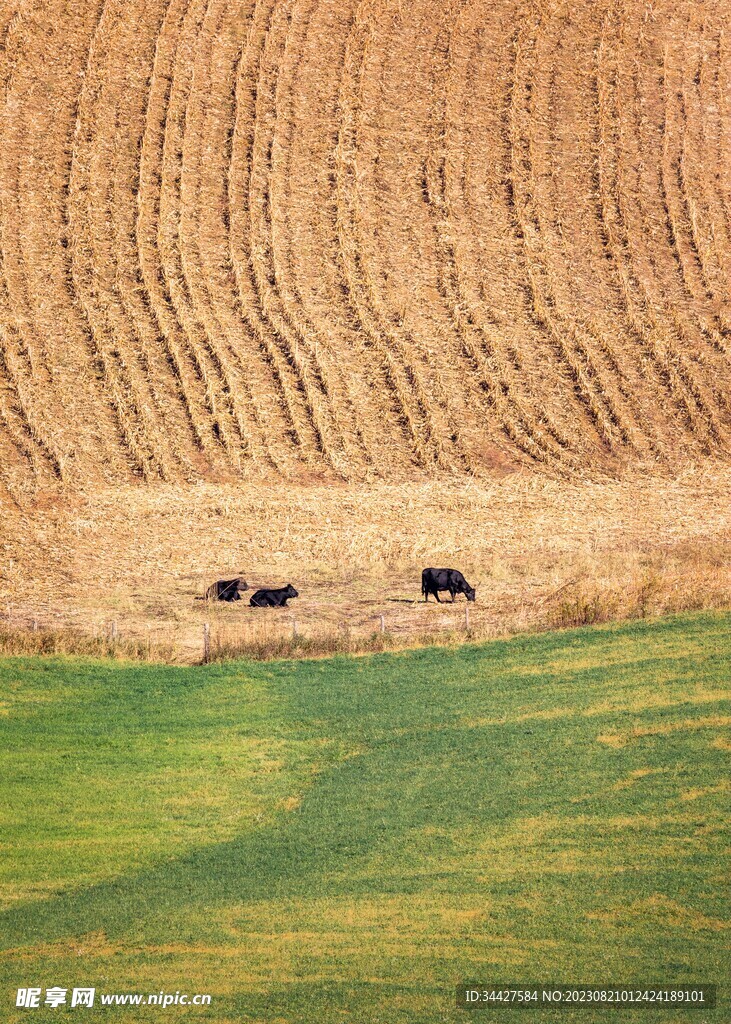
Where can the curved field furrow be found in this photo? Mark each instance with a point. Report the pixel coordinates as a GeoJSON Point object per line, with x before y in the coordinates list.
{"type": "Point", "coordinates": [278, 75]}
{"type": "Point", "coordinates": [15, 472]}
{"type": "Point", "coordinates": [16, 386]}
{"type": "Point", "coordinates": [618, 211]}
{"type": "Point", "coordinates": [324, 361]}
{"type": "Point", "coordinates": [181, 358]}
{"type": "Point", "coordinates": [88, 212]}
{"type": "Point", "coordinates": [17, 417]}
{"type": "Point", "coordinates": [708, 82]}
{"type": "Point", "coordinates": [275, 407]}
{"type": "Point", "coordinates": [562, 109]}
{"type": "Point", "coordinates": [723, 101]}
{"type": "Point", "coordinates": [241, 193]}
{"type": "Point", "coordinates": [205, 234]}
{"type": "Point", "coordinates": [705, 111]}
{"type": "Point", "coordinates": [175, 181]}
{"type": "Point", "coordinates": [310, 274]}
{"type": "Point", "coordinates": [111, 204]}
{"type": "Point", "coordinates": [387, 418]}
{"type": "Point", "coordinates": [11, 29]}
{"type": "Point", "coordinates": [652, 236]}
{"type": "Point", "coordinates": [564, 191]}
{"type": "Point", "coordinates": [485, 234]}
{"type": "Point", "coordinates": [37, 126]}
{"type": "Point", "coordinates": [26, 373]}
{"type": "Point", "coordinates": [611, 313]}
{"type": "Point", "coordinates": [474, 351]}
{"type": "Point", "coordinates": [660, 380]}
{"type": "Point", "coordinates": [349, 253]}
{"type": "Point", "coordinates": [26, 382]}
{"type": "Point", "coordinates": [128, 299]}
{"type": "Point", "coordinates": [405, 380]}
{"type": "Point", "coordinates": [202, 200]}
{"type": "Point", "coordinates": [678, 201]}
{"type": "Point", "coordinates": [704, 218]}
{"type": "Point", "coordinates": [392, 136]}
{"type": "Point", "coordinates": [16, 434]}
{"type": "Point", "coordinates": [516, 167]}
{"type": "Point", "coordinates": [97, 438]}
{"type": "Point", "coordinates": [564, 336]}
{"type": "Point", "coordinates": [482, 352]}
{"type": "Point", "coordinates": [267, 183]}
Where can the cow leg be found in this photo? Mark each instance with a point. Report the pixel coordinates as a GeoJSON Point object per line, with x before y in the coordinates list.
{"type": "Point", "coordinates": [436, 594]}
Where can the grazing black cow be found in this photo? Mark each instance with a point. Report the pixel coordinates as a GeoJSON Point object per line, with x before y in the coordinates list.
{"type": "Point", "coordinates": [434, 580]}
{"type": "Point", "coordinates": [226, 590]}
{"type": "Point", "coordinates": [273, 598]}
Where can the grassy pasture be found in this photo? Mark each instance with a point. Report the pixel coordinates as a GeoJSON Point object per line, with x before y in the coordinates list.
{"type": "Point", "coordinates": [347, 839]}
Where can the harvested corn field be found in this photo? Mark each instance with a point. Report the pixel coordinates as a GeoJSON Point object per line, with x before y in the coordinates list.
{"type": "Point", "coordinates": [362, 239]}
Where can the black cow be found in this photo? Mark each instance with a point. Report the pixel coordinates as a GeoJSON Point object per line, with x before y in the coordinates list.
{"type": "Point", "coordinates": [273, 598]}
{"type": "Point", "coordinates": [226, 590]}
{"type": "Point", "coordinates": [434, 580]}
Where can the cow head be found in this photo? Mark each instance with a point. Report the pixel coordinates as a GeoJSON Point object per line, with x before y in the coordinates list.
{"type": "Point", "coordinates": [241, 584]}
{"type": "Point", "coordinates": [291, 592]}
{"type": "Point", "coordinates": [470, 593]}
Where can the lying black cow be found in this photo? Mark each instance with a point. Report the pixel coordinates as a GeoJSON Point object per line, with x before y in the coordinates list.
{"type": "Point", "coordinates": [273, 598]}
{"type": "Point", "coordinates": [434, 580]}
{"type": "Point", "coordinates": [226, 590]}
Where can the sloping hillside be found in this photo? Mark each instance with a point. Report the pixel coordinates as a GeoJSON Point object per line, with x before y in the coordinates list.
{"type": "Point", "coordinates": [362, 237]}
{"type": "Point", "coordinates": [350, 839]}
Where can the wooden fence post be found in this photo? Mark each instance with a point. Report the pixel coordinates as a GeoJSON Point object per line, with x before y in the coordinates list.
{"type": "Point", "coordinates": [466, 616]}
{"type": "Point", "coordinates": [294, 626]}
{"type": "Point", "coordinates": [206, 643]}
{"type": "Point", "coordinates": [113, 631]}
{"type": "Point", "coordinates": [383, 624]}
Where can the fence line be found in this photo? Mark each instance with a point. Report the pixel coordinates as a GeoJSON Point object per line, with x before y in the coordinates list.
{"type": "Point", "coordinates": [249, 632]}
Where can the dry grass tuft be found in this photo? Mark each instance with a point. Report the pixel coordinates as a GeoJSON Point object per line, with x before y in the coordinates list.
{"type": "Point", "coordinates": [73, 642]}
{"type": "Point", "coordinates": [689, 581]}
{"type": "Point", "coordinates": [268, 646]}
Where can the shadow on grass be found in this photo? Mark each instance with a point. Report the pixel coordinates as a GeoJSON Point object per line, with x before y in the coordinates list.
{"type": "Point", "coordinates": [351, 835]}
{"type": "Point", "coordinates": [390, 819]}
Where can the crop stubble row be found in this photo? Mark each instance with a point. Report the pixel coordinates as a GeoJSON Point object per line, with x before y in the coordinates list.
{"type": "Point", "coordinates": [305, 235]}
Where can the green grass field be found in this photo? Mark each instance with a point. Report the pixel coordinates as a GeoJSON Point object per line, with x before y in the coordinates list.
{"type": "Point", "coordinates": [347, 839]}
